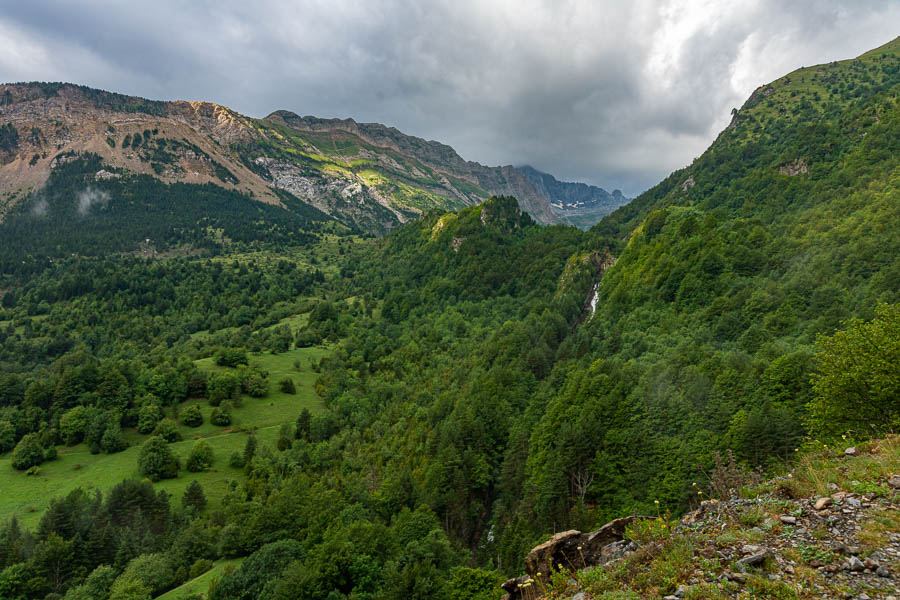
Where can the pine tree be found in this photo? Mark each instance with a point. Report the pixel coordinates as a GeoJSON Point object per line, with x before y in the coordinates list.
{"type": "Point", "coordinates": [249, 449]}
{"type": "Point", "coordinates": [194, 496]}
{"type": "Point", "coordinates": [303, 421]}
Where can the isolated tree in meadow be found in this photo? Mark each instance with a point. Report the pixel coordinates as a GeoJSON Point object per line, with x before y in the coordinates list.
{"type": "Point", "coordinates": [156, 460]}
{"type": "Point", "coordinates": [200, 458]}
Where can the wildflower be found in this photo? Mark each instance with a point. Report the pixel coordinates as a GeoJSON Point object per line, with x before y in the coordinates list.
{"type": "Point", "coordinates": [699, 492]}
{"type": "Point", "coordinates": [656, 502]}
{"type": "Point", "coordinates": [559, 566]}
{"type": "Point", "coordinates": [694, 484]}
{"type": "Point", "coordinates": [843, 437]}
{"type": "Point", "coordinates": [579, 547]}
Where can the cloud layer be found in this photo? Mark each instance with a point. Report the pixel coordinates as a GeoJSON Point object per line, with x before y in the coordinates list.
{"type": "Point", "coordinates": [613, 93]}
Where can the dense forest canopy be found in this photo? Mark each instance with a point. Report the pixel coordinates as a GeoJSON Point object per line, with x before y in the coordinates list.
{"type": "Point", "coordinates": [406, 417]}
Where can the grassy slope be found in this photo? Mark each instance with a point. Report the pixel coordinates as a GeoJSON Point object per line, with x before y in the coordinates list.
{"type": "Point", "coordinates": [27, 496]}
{"type": "Point", "coordinates": [199, 585]}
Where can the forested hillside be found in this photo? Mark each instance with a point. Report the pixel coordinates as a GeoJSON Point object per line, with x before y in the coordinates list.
{"type": "Point", "coordinates": [453, 393]}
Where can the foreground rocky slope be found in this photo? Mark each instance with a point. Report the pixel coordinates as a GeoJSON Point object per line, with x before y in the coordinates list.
{"type": "Point", "coordinates": [363, 174]}
{"type": "Point", "coordinates": [829, 529]}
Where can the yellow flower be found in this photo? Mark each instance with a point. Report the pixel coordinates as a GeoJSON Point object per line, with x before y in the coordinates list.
{"type": "Point", "coordinates": [656, 502]}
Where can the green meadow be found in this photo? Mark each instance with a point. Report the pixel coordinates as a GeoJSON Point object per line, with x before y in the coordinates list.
{"type": "Point", "coordinates": [27, 496]}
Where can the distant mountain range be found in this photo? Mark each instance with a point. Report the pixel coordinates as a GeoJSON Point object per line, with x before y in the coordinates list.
{"type": "Point", "coordinates": [577, 203]}
{"type": "Point", "coordinates": [365, 175]}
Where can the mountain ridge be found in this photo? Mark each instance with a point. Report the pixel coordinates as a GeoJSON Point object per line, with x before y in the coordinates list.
{"type": "Point", "coordinates": [366, 175]}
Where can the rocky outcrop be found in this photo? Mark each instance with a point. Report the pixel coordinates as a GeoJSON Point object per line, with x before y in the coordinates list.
{"type": "Point", "coordinates": [798, 167]}
{"type": "Point", "coordinates": [843, 541]}
{"type": "Point", "coordinates": [573, 550]}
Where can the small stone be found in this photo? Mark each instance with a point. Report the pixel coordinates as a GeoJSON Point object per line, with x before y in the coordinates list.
{"type": "Point", "coordinates": [753, 559]}
{"type": "Point", "coordinates": [681, 591]}
{"type": "Point", "coordinates": [822, 503]}
{"type": "Point", "coordinates": [871, 564]}
{"type": "Point", "coordinates": [894, 481]}
{"type": "Point", "coordinates": [855, 564]}
{"type": "Point", "coordinates": [851, 451]}
{"type": "Point", "coordinates": [832, 486]}
{"type": "Point", "coordinates": [854, 502]}
{"type": "Point", "coordinates": [789, 520]}
{"type": "Point", "coordinates": [735, 577]}
{"type": "Point", "coordinates": [578, 596]}
{"type": "Point", "coordinates": [749, 549]}
{"type": "Point", "coordinates": [882, 572]}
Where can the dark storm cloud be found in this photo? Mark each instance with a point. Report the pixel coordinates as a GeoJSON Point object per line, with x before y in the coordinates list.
{"type": "Point", "coordinates": [613, 93]}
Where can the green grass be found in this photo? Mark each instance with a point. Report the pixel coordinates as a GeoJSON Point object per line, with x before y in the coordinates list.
{"type": "Point", "coordinates": [199, 584]}
{"type": "Point", "coordinates": [27, 496]}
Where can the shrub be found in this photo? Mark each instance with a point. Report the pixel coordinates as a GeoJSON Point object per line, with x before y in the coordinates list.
{"type": "Point", "coordinates": [200, 458]}
{"type": "Point", "coordinates": [236, 460]}
{"type": "Point", "coordinates": [7, 437]}
{"type": "Point", "coordinates": [221, 415]}
{"type": "Point", "coordinates": [231, 357]}
{"type": "Point", "coordinates": [221, 387]}
{"type": "Point", "coordinates": [287, 386]}
{"type": "Point", "coordinates": [148, 416]}
{"type": "Point", "coordinates": [191, 416]}
{"type": "Point", "coordinates": [72, 425]}
{"type": "Point", "coordinates": [112, 440]}
{"type": "Point", "coordinates": [28, 453]}
{"type": "Point", "coordinates": [168, 430]}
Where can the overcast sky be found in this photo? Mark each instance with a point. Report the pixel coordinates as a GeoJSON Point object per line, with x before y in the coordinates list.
{"type": "Point", "coordinates": [615, 93]}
